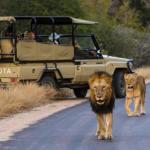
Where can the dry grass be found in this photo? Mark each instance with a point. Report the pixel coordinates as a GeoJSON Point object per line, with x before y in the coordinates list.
{"type": "Point", "coordinates": [143, 71]}
{"type": "Point", "coordinates": [23, 97]}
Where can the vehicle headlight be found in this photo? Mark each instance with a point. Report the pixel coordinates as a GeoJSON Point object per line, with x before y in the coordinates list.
{"type": "Point", "coordinates": [130, 66]}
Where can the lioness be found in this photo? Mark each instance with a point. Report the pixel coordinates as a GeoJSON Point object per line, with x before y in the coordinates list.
{"type": "Point", "coordinates": [102, 103]}
{"type": "Point", "coordinates": [135, 91]}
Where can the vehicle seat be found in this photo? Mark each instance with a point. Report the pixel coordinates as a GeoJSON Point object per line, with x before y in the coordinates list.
{"type": "Point", "coordinates": [6, 46]}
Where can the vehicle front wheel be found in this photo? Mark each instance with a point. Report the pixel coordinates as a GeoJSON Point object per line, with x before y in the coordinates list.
{"type": "Point", "coordinates": [80, 92]}
{"type": "Point", "coordinates": [119, 84]}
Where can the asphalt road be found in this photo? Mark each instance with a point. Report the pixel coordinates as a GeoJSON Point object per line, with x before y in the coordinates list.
{"type": "Point", "coordinates": [74, 129]}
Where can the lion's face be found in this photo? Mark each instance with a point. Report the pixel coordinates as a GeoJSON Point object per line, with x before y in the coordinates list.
{"type": "Point", "coordinates": [130, 80]}
{"type": "Point", "coordinates": [101, 88]}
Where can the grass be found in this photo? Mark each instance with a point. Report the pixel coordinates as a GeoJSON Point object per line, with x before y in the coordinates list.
{"type": "Point", "coordinates": [23, 97]}
{"type": "Point", "coordinates": [143, 71]}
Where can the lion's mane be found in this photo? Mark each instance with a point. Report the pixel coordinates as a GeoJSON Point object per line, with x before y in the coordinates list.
{"type": "Point", "coordinates": [105, 108]}
{"type": "Point", "coordinates": [108, 106]}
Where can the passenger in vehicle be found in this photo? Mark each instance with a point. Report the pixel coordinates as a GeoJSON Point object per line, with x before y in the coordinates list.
{"type": "Point", "coordinates": [29, 35]}
{"type": "Point", "coordinates": [55, 36]}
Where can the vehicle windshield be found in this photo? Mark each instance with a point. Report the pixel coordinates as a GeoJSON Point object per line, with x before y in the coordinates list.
{"type": "Point", "coordinates": [82, 42]}
{"type": "Point", "coordinates": [85, 46]}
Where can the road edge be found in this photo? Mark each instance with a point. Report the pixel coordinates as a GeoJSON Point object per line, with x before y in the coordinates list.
{"type": "Point", "coordinates": [18, 122]}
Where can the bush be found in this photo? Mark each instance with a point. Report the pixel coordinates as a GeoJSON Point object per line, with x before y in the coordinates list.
{"type": "Point", "coordinates": [23, 97]}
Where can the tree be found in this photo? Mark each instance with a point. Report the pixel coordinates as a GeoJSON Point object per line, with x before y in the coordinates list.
{"type": "Point", "coordinates": [143, 8]}
{"type": "Point", "coordinates": [41, 8]}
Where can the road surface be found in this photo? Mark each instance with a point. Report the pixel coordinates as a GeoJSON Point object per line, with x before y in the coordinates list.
{"type": "Point", "coordinates": [74, 129]}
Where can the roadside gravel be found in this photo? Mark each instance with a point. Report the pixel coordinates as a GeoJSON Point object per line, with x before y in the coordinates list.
{"type": "Point", "coordinates": [10, 125]}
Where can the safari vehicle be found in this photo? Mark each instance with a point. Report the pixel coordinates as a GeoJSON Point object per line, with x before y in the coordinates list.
{"type": "Point", "coordinates": [66, 63]}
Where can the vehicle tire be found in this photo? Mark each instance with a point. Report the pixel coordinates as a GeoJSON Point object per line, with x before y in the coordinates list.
{"type": "Point", "coordinates": [119, 84]}
{"type": "Point", "coordinates": [80, 92]}
{"type": "Point", "coordinates": [48, 81]}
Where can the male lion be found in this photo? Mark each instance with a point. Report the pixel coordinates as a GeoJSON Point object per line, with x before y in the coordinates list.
{"type": "Point", "coordinates": [102, 103]}
{"type": "Point", "coordinates": [135, 91]}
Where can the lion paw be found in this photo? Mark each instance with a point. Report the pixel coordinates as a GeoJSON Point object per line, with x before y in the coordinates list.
{"type": "Point", "coordinates": [97, 133]}
{"type": "Point", "coordinates": [109, 137]}
{"type": "Point", "coordinates": [134, 114]}
{"type": "Point", "coordinates": [101, 137]}
{"type": "Point", "coordinates": [130, 114]}
{"type": "Point", "coordinates": [143, 113]}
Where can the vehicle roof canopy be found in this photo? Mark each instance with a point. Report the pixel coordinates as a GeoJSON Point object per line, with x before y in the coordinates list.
{"type": "Point", "coordinates": [7, 18]}
{"type": "Point", "coordinates": [57, 20]}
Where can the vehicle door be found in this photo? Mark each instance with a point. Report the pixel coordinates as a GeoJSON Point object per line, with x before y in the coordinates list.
{"type": "Point", "coordinates": [87, 60]}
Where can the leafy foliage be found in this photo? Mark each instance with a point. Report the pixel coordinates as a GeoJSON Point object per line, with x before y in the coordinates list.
{"type": "Point", "coordinates": [143, 8]}
{"type": "Point", "coordinates": [125, 33]}
{"type": "Point", "coordinates": [41, 8]}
